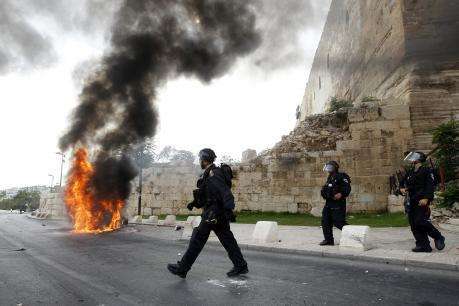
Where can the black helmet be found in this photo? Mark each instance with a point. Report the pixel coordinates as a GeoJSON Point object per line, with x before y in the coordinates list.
{"type": "Point", "coordinates": [207, 155]}
{"type": "Point", "coordinates": [416, 156]}
{"type": "Point", "coordinates": [331, 166]}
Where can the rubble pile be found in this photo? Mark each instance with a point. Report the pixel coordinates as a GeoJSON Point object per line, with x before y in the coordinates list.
{"type": "Point", "coordinates": [316, 133]}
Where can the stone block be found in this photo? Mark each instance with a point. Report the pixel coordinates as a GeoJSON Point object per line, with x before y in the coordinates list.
{"type": "Point", "coordinates": [190, 219]}
{"type": "Point", "coordinates": [395, 203]}
{"type": "Point", "coordinates": [248, 155]}
{"type": "Point", "coordinates": [136, 219]}
{"type": "Point", "coordinates": [293, 208]}
{"type": "Point", "coordinates": [196, 221]}
{"type": "Point", "coordinates": [316, 211]}
{"type": "Point", "coordinates": [170, 220]}
{"type": "Point", "coordinates": [355, 237]}
{"type": "Point", "coordinates": [152, 220]}
{"type": "Point", "coordinates": [396, 112]}
{"type": "Point", "coordinates": [266, 232]}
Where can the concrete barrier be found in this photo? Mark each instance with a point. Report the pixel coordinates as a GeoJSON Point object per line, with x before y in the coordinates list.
{"type": "Point", "coordinates": [355, 237]}
{"type": "Point", "coordinates": [136, 219]}
{"type": "Point", "coordinates": [196, 221]}
{"type": "Point", "coordinates": [153, 220]}
{"type": "Point", "coordinates": [170, 220]}
{"type": "Point", "coordinates": [266, 232]}
{"type": "Point", "coordinates": [190, 219]}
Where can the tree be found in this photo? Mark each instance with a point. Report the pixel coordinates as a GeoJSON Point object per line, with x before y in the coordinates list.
{"type": "Point", "coordinates": [446, 154]}
{"type": "Point", "coordinates": [169, 154]}
{"type": "Point", "coordinates": [144, 154]}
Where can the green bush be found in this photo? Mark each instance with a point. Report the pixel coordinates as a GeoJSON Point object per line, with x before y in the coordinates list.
{"type": "Point", "coordinates": [446, 154]}
{"type": "Point", "coordinates": [450, 196]}
{"type": "Point", "coordinates": [336, 104]}
{"type": "Point", "coordinates": [369, 99]}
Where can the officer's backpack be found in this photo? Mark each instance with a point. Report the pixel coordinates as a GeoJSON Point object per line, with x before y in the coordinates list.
{"type": "Point", "coordinates": [227, 174]}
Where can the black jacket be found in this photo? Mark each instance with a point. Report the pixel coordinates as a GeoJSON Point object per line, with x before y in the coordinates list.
{"type": "Point", "coordinates": [420, 184]}
{"type": "Point", "coordinates": [213, 194]}
{"type": "Point", "coordinates": [339, 182]}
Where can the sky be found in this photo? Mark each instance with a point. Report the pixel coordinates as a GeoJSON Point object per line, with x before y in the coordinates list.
{"type": "Point", "coordinates": [46, 54]}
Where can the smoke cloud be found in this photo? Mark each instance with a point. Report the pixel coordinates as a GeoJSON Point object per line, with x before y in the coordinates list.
{"type": "Point", "coordinates": [21, 44]}
{"type": "Point", "coordinates": [152, 42]}
{"type": "Point", "coordinates": [26, 25]}
{"type": "Point", "coordinates": [282, 24]}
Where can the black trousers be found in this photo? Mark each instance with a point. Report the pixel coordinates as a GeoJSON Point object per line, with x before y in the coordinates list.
{"type": "Point", "coordinates": [199, 239]}
{"type": "Point", "coordinates": [421, 227]}
{"type": "Point", "coordinates": [333, 216]}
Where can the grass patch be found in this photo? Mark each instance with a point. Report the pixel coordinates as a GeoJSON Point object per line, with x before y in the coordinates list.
{"type": "Point", "coordinates": [370, 219]}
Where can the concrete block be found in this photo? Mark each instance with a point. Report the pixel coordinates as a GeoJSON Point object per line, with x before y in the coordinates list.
{"type": "Point", "coordinates": [170, 220]}
{"type": "Point", "coordinates": [266, 232]}
{"type": "Point", "coordinates": [316, 211]}
{"type": "Point", "coordinates": [136, 219]}
{"type": "Point", "coordinates": [196, 221]}
{"type": "Point", "coordinates": [355, 237]}
{"type": "Point", "coordinates": [190, 219]}
{"type": "Point", "coordinates": [152, 220]}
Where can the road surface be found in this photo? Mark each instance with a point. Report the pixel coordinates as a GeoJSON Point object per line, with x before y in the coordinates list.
{"type": "Point", "coordinates": [42, 263]}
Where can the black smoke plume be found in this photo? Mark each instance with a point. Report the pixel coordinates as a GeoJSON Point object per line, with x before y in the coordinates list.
{"type": "Point", "coordinates": [153, 41]}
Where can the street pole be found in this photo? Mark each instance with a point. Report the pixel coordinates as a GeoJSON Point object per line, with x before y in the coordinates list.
{"type": "Point", "coordinates": [62, 166]}
{"type": "Point", "coordinates": [139, 204]}
{"type": "Point", "coordinates": [52, 181]}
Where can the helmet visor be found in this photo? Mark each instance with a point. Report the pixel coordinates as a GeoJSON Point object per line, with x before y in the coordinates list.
{"type": "Point", "coordinates": [413, 157]}
{"type": "Point", "coordinates": [329, 168]}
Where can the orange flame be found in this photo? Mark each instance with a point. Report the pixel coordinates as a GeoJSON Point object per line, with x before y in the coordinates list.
{"type": "Point", "coordinates": [89, 215]}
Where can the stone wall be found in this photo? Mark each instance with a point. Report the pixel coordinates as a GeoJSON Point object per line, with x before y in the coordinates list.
{"type": "Point", "coordinates": [52, 203]}
{"type": "Point", "coordinates": [359, 54]}
{"type": "Point", "coordinates": [167, 189]}
{"type": "Point", "coordinates": [399, 51]}
{"type": "Point", "coordinates": [368, 141]}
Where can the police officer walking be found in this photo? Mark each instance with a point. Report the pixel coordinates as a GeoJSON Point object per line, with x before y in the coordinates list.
{"type": "Point", "coordinates": [419, 187]}
{"type": "Point", "coordinates": [335, 191]}
{"type": "Point", "coordinates": [215, 198]}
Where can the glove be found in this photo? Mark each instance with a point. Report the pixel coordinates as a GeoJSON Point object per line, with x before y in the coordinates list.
{"type": "Point", "coordinates": [190, 206]}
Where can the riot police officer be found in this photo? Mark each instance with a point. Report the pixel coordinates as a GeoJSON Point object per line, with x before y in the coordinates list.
{"type": "Point", "coordinates": [419, 186]}
{"type": "Point", "coordinates": [335, 191]}
{"type": "Point", "coordinates": [215, 198]}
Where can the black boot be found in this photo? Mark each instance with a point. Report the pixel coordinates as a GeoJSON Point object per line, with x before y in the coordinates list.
{"type": "Point", "coordinates": [440, 243]}
{"type": "Point", "coordinates": [420, 249]}
{"type": "Point", "coordinates": [236, 271]}
{"type": "Point", "coordinates": [176, 269]}
{"type": "Point", "coordinates": [327, 242]}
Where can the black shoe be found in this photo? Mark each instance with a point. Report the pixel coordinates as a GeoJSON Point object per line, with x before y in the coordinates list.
{"type": "Point", "coordinates": [236, 271]}
{"type": "Point", "coordinates": [440, 243]}
{"type": "Point", "coordinates": [326, 242]}
{"type": "Point", "coordinates": [176, 270]}
{"type": "Point", "coordinates": [419, 249]}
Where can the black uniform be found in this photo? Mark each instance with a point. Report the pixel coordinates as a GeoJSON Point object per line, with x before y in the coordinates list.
{"type": "Point", "coordinates": [334, 212]}
{"type": "Point", "coordinates": [210, 197]}
{"type": "Point", "coordinates": [420, 185]}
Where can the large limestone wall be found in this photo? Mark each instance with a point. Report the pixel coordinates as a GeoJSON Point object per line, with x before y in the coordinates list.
{"type": "Point", "coordinates": [359, 55]}
{"type": "Point", "coordinates": [399, 51]}
{"type": "Point", "coordinates": [368, 142]}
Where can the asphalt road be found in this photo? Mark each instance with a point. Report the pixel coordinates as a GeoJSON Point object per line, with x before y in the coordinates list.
{"type": "Point", "coordinates": [42, 263]}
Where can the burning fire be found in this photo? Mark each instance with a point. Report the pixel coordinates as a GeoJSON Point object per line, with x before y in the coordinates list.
{"type": "Point", "coordinates": [88, 214]}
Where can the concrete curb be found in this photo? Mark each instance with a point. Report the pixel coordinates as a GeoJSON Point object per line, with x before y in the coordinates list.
{"type": "Point", "coordinates": [355, 257]}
